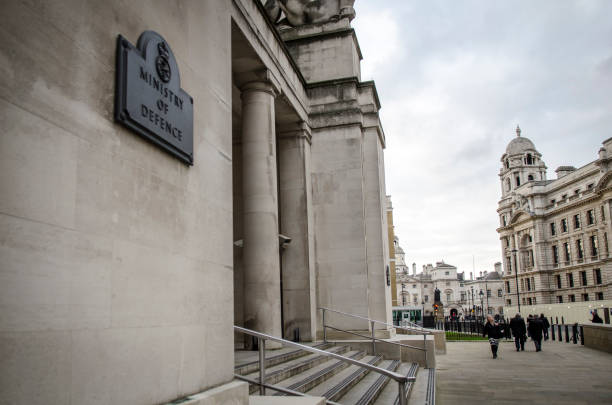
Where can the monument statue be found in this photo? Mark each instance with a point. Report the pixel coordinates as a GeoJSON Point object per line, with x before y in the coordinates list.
{"type": "Point", "coordinates": [300, 12]}
{"type": "Point", "coordinates": [437, 295]}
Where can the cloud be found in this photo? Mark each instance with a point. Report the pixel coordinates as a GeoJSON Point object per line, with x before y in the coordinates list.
{"type": "Point", "coordinates": [454, 79]}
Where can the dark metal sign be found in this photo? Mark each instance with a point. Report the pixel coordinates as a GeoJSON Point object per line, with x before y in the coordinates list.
{"type": "Point", "coordinates": [148, 96]}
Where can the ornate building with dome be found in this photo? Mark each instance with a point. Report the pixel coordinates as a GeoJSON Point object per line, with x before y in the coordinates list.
{"type": "Point", "coordinates": [555, 233]}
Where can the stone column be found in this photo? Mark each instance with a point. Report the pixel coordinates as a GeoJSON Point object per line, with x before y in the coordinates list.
{"type": "Point", "coordinates": [296, 219]}
{"type": "Point", "coordinates": [262, 300]}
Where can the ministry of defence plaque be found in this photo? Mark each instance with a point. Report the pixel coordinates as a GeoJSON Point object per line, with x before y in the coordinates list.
{"type": "Point", "coordinates": [148, 96]}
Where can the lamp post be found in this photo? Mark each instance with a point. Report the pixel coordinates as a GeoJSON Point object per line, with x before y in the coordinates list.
{"type": "Point", "coordinates": [487, 290]}
{"type": "Point", "coordinates": [473, 306]}
{"type": "Point", "coordinates": [518, 294]}
{"type": "Point", "coordinates": [481, 306]}
{"type": "Point", "coordinates": [423, 314]}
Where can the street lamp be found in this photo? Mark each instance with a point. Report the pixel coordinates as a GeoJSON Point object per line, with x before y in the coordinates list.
{"type": "Point", "coordinates": [481, 305]}
{"type": "Point", "coordinates": [423, 314]}
{"type": "Point", "coordinates": [473, 306]}
{"type": "Point", "coordinates": [518, 294]}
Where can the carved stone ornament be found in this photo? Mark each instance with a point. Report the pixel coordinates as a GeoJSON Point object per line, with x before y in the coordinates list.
{"type": "Point", "coordinates": [301, 12]}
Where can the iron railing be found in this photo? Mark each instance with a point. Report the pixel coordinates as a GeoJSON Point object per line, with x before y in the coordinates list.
{"type": "Point", "coordinates": [402, 380]}
{"type": "Point", "coordinates": [408, 326]}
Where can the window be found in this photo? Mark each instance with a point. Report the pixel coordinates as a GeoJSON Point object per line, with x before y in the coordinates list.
{"type": "Point", "coordinates": [576, 221]}
{"type": "Point", "coordinates": [603, 213]}
{"type": "Point", "coordinates": [448, 297]}
{"type": "Point", "coordinates": [500, 292]}
{"type": "Point", "coordinates": [553, 201]}
{"type": "Point", "coordinates": [571, 298]}
{"type": "Point", "coordinates": [606, 242]}
{"type": "Point", "coordinates": [488, 293]}
{"type": "Point", "coordinates": [427, 298]}
{"type": "Point", "coordinates": [560, 299]}
{"type": "Point", "coordinates": [570, 279]}
{"type": "Point", "coordinates": [425, 286]}
{"type": "Point", "coordinates": [583, 278]}
{"type": "Point", "coordinates": [528, 301]}
{"type": "Point", "coordinates": [555, 253]}
{"type": "Point", "coordinates": [564, 225]}
{"type": "Point", "coordinates": [508, 286]}
{"type": "Point", "coordinates": [507, 241]}
{"type": "Point", "coordinates": [597, 276]}
{"type": "Point", "coordinates": [509, 302]}
{"type": "Point", "coordinates": [594, 245]}
{"type": "Point", "coordinates": [504, 223]}
{"type": "Point", "coordinates": [528, 285]}
{"type": "Point", "coordinates": [533, 283]}
{"type": "Point", "coordinates": [534, 301]}
{"type": "Point", "coordinates": [518, 181]}
{"type": "Point", "coordinates": [579, 249]}
{"type": "Point", "coordinates": [523, 284]}
{"type": "Point", "coordinates": [507, 164]}
{"type": "Point", "coordinates": [530, 177]}
{"type": "Point", "coordinates": [446, 273]}
{"type": "Point", "coordinates": [590, 217]}
{"type": "Point", "coordinates": [585, 297]}
{"type": "Point", "coordinates": [413, 285]}
{"type": "Point", "coordinates": [529, 159]}
{"type": "Point", "coordinates": [462, 295]}
{"type": "Point", "coordinates": [558, 278]}
{"type": "Point", "coordinates": [599, 296]}
{"type": "Point", "coordinates": [553, 230]}
{"type": "Point", "coordinates": [566, 251]}
{"type": "Point", "coordinates": [448, 283]}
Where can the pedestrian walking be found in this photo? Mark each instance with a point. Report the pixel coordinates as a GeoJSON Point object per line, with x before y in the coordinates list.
{"type": "Point", "coordinates": [596, 318]}
{"type": "Point", "coordinates": [545, 326]}
{"type": "Point", "coordinates": [519, 331]}
{"type": "Point", "coordinates": [492, 329]}
{"type": "Point", "coordinates": [536, 326]}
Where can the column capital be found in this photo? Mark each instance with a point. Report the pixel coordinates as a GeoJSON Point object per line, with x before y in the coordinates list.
{"type": "Point", "coordinates": [299, 129]}
{"type": "Point", "coordinates": [258, 80]}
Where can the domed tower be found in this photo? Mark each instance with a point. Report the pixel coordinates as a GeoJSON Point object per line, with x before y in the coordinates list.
{"type": "Point", "coordinates": [521, 163]}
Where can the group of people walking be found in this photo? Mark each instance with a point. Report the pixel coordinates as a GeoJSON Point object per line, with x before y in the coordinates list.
{"type": "Point", "coordinates": [536, 328]}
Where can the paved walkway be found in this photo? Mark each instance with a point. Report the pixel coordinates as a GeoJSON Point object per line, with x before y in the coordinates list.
{"type": "Point", "coordinates": [562, 373]}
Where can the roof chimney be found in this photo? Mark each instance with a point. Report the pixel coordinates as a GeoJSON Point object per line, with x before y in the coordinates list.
{"type": "Point", "coordinates": [563, 171]}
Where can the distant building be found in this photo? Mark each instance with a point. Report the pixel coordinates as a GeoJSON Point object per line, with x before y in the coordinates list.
{"type": "Point", "coordinates": [554, 232]}
{"type": "Point", "coordinates": [415, 292]}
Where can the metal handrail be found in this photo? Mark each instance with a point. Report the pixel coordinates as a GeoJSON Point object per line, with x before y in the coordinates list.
{"type": "Point", "coordinates": [402, 380]}
{"type": "Point", "coordinates": [416, 327]}
{"type": "Point", "coordinates": [372, 337]}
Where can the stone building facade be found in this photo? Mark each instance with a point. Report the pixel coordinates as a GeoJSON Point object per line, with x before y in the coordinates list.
{"type": "Point", "coordinates": [123, 269]}
{"type": "Point", "coordinates": [554, 233]}
{"type": "Point", "coordinates": [460, 297]}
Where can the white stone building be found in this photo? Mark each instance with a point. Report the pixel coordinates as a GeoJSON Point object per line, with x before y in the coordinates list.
{"type": "Point", "coordinates": [123, 270]}
{"type": "Point", "coordinates": [554, 234]}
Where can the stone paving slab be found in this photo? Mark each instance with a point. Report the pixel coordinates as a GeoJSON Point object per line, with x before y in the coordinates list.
{"type": "Point", "coordinates": [562, 373]}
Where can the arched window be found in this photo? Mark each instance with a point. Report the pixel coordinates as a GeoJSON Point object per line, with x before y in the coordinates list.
{"type": "Point", "coordinates": [529, 159]}
{"type": "Point", "coordinates": [507, 164]}
{"type": "Point", "coordinates": [530, 177]}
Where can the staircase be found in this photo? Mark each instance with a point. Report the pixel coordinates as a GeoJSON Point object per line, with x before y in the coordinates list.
{"type": "Point", "coordinates": [339, 382]}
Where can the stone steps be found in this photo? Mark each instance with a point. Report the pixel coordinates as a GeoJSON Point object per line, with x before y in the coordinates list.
{"type": "Point", "coordinates": [294, 366]}
{"type": "Point", "coordinates": [340, 382]}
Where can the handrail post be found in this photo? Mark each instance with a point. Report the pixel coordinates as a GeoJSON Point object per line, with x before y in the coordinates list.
{"type": "Point", "coordinates": [262, 366]}
{"type": "Point", "coordinates": [373, 339]}
{"type": "Point", "coordinates": [324, 330]}
{"type": "Point", "coordinates": [402, 393]}
{"type": "Point", "coordinates": [425, 347]}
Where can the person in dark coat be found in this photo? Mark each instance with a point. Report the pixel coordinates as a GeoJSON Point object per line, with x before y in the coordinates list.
{"type": "Point", "coordinates": [596, 318]}
{"type": "Point", "coordinates": [519, 331]}
{"type": "Point", "coordinates": [493, 330]}
{"type": "Point", "coordinates": [545, 325]}
{"type": "Point", "coordinates": [536, 326]}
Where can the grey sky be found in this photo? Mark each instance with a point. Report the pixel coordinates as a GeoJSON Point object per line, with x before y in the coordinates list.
{"type": "Point", "coordinates": [454, 79]}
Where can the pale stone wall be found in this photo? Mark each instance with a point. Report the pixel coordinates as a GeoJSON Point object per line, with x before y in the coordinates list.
{"type": "Point", "coordinates": [116, 259]}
